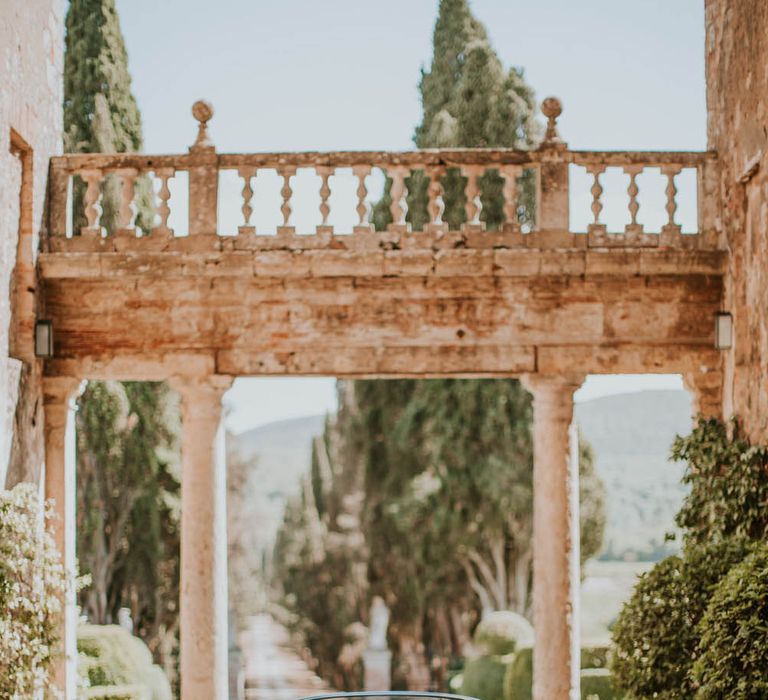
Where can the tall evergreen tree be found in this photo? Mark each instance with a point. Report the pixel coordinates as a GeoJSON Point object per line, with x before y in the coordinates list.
{"type": "Point", "coordinates": [448, 463]}
{"type": "Point", "coordinates": [128, 539]}
{"type": "Point", "coordinates": [468, 101]}
{"type": "Point", "coordinates": [100, 111]}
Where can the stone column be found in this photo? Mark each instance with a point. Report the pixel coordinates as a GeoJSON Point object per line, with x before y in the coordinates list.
{"type": "Point", "coordinates": [203, 585]}
{"type": "Point", "coordinates": [59, 395]}
{"type": "Point", "coordinates": [554, 533]}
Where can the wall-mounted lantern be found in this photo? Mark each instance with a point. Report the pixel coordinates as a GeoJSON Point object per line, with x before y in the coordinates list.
{"type": "Point", "coordinates": [723, 330]}
{"type": "Point", "coordinates": [44, 339]}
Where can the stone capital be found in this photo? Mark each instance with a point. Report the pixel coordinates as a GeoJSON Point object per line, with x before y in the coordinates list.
{"type": "Point", "coordinates": [552, 385]}
{"type": "Point", "coordinates": [61, 390]}
{"type": "Point", "coordinates": [211, 385]}
{"type": "Point", "coordinates": [201, 395]}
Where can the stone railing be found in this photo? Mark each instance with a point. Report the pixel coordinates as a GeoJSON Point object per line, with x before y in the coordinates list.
{"type": "Point", "coordinates": [533, 186]}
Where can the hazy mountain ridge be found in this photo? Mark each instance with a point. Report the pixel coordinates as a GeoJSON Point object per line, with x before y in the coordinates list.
{"type": "Point", "coordinates": [630, 433]}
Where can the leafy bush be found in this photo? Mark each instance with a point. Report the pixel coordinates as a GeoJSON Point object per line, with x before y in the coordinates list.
{"type": "Point", "coordinates": [597, 684]}
{"type": "Point", "coordinates": [484, 677]}
{"type": "Point", "coordinates": [733, 649]}
{"type": "Point", "coordinates": [501, 632]}
{"type": "Point", "coordinates": [728, 487]}
{"type": "Point", "coordinates": [112, 656]}
{"type": "Point", "coordinates": [655, 635]}
{"type": "Point", "coordinates": [596, 656]}
{"type": "Point", "coordinates": [32, 585]}
{"type": "Point", "coordinates": [518, 679]}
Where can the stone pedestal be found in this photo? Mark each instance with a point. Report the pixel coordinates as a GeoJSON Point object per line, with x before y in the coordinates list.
{"type": "Point", "coordinates": [378, 669]}
{"type": "Point", "coordinates": [203, 585]}
{"type": "Point", "coordinates": [59, 395]}
{"type": "Point", "coordinates": [555, 530]}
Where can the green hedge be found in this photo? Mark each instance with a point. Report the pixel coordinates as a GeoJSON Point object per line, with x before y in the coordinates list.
{"type": "Point", "coordinates": [733, 650]}
{"type": "Point", "coordinates": [501, 632]}
{"type": "Point", "coordinates": [484, 677]}
{"type": "Point", "coordinates": [656, 634]}
{"type": "Point", "coordinates": [595, 656]}
{"type": "Point", "coordinates": [518, 679]}
{"type": "Point", "coordinates": [111, 656]}
{"type": "Point", "coordinates": [597, 684]}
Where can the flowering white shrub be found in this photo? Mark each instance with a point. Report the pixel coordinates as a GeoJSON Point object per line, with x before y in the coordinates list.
{"type": "Point", "coordinates": [32, 587]}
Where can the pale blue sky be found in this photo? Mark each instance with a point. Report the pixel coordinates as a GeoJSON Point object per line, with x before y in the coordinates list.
{"type": "Point", "coordinates": [343, 74]}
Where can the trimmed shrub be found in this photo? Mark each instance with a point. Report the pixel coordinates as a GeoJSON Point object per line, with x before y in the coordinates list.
{"type": "Point", "coordinates": [595, 656]}
{"type": "Point", "coordinates": [111, 656]}
{"type": "Point", "coordinates": [484, 677]}
{"type": "Point", "coordinates": [655, 636]}
{"type": "Point", "coordinates": [518, 679]}
{"type": "Point", "coordinates": [501, 632]}
{"type": "Point", "coordinates": [597, 684]}
{"type": "Point", "coordinates": [733, 649]}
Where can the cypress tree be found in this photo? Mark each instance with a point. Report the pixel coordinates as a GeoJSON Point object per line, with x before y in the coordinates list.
{"type": "Point", "coordinates": [472, 437]}
{"type": "Point", "coordinates": [100, 111]}
{"type": "Point", "coordinates": [128, 537]}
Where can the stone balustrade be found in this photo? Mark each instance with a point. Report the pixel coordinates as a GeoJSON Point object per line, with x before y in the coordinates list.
{"type": "Point", "coordinates": [533, 186]}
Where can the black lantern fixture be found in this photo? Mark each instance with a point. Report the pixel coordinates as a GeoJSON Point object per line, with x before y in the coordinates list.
{"type": "Point", "coordinates": [44, 339]}
{"type": "Point", "coordinates": [723, 330]}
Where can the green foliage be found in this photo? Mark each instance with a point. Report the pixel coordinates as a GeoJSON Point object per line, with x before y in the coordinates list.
{"type": "Point", "coordinates": [728, 485]}
{"type": "Point", "coordinates": [32, 584]}
{"type": "Point", "coordinates": [129, 510]}
{"type": "Point", "coordinates": [100, 112]}
{"type": "Point", "coordinates": [319, 558]}
{"type": "Point", "coordinates": [502, 632]}
{"type": "Point", "coordinates": [468, 101]}
{"type": "Point", "coordinates": [111, 656]}
{"type": "Point", "coordinates": [733, 647]}
{"type": "Point", "coordinates": [597, 684]}
{"type": "Point", "coordinates": [518, 680]}
{"type": "Point", "coordinates": [595, 656]}
{"type": "Point", "coordinates": [656, 633]}
{"type": "Point", "coordinates": [484, 677]}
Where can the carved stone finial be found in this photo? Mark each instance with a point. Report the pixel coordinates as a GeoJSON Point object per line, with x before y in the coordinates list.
{"type": "Point", "coordinates": [552, 108]}
{"type": "Point", "coordinates": [202, 110]}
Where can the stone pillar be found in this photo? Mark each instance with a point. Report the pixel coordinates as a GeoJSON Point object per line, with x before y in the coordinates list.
{"type": "Point", "coordinates": [59, 395]}
{"type": "Point", "coordinates": [555, 586]}
{"type": "Point", "coordinates": [203, 586]}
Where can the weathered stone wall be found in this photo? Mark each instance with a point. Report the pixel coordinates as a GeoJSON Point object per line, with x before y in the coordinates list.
{"type": "Point", "coordinates": [31, 56]}
{"type": "Point", "coordinates": [737, 100]}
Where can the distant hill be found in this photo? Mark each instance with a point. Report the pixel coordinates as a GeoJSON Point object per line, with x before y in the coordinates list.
{"type": "Point", "coordinates": [280, 453]}
{"type": "Point", "coordinates": [630, 433]}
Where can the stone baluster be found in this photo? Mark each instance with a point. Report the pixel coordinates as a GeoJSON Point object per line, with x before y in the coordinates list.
{"type": "Point", "coordinates": [435, 202]}
{"type": "Point", "coordinates": [510, 194]}
{"type": "Point", "coordinates": [473, 173]}
{"type": "Point", "coordinates": [59, 189]}
{"type": "Point", "coordinates": [59, 394]}
{"type": "Point", "coordinates": [363, 208]}
{"type": "Point", "coordinates": [552, 194]}
{"type": "Point", "coordinates": [399, 194]}
{"type": "Point", "coordinates": [325, 173]}
{"type": "Point", "coordinates": [203, 578]}
{"type": "Point", "coordinates": [126, 216]}
{"type": "Point", "coordinates": [597, 194]}
{"type": "Point", "coordinates": [203, 176]}
{"type": "Point", "coordinates": [247, 172]}
{"type": "Point", "coordinates": [555, 533]}
{"type": "Point", "coordinates": [634, 206]}
{"type": "Point", "coordinates": [286, 172]}
{"type": "Point", "coordinates": [163, 208]}
{"type": "Point", "coordinates": [670, 229]}
{"type": "Point", "coordinates": [92, 202]}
